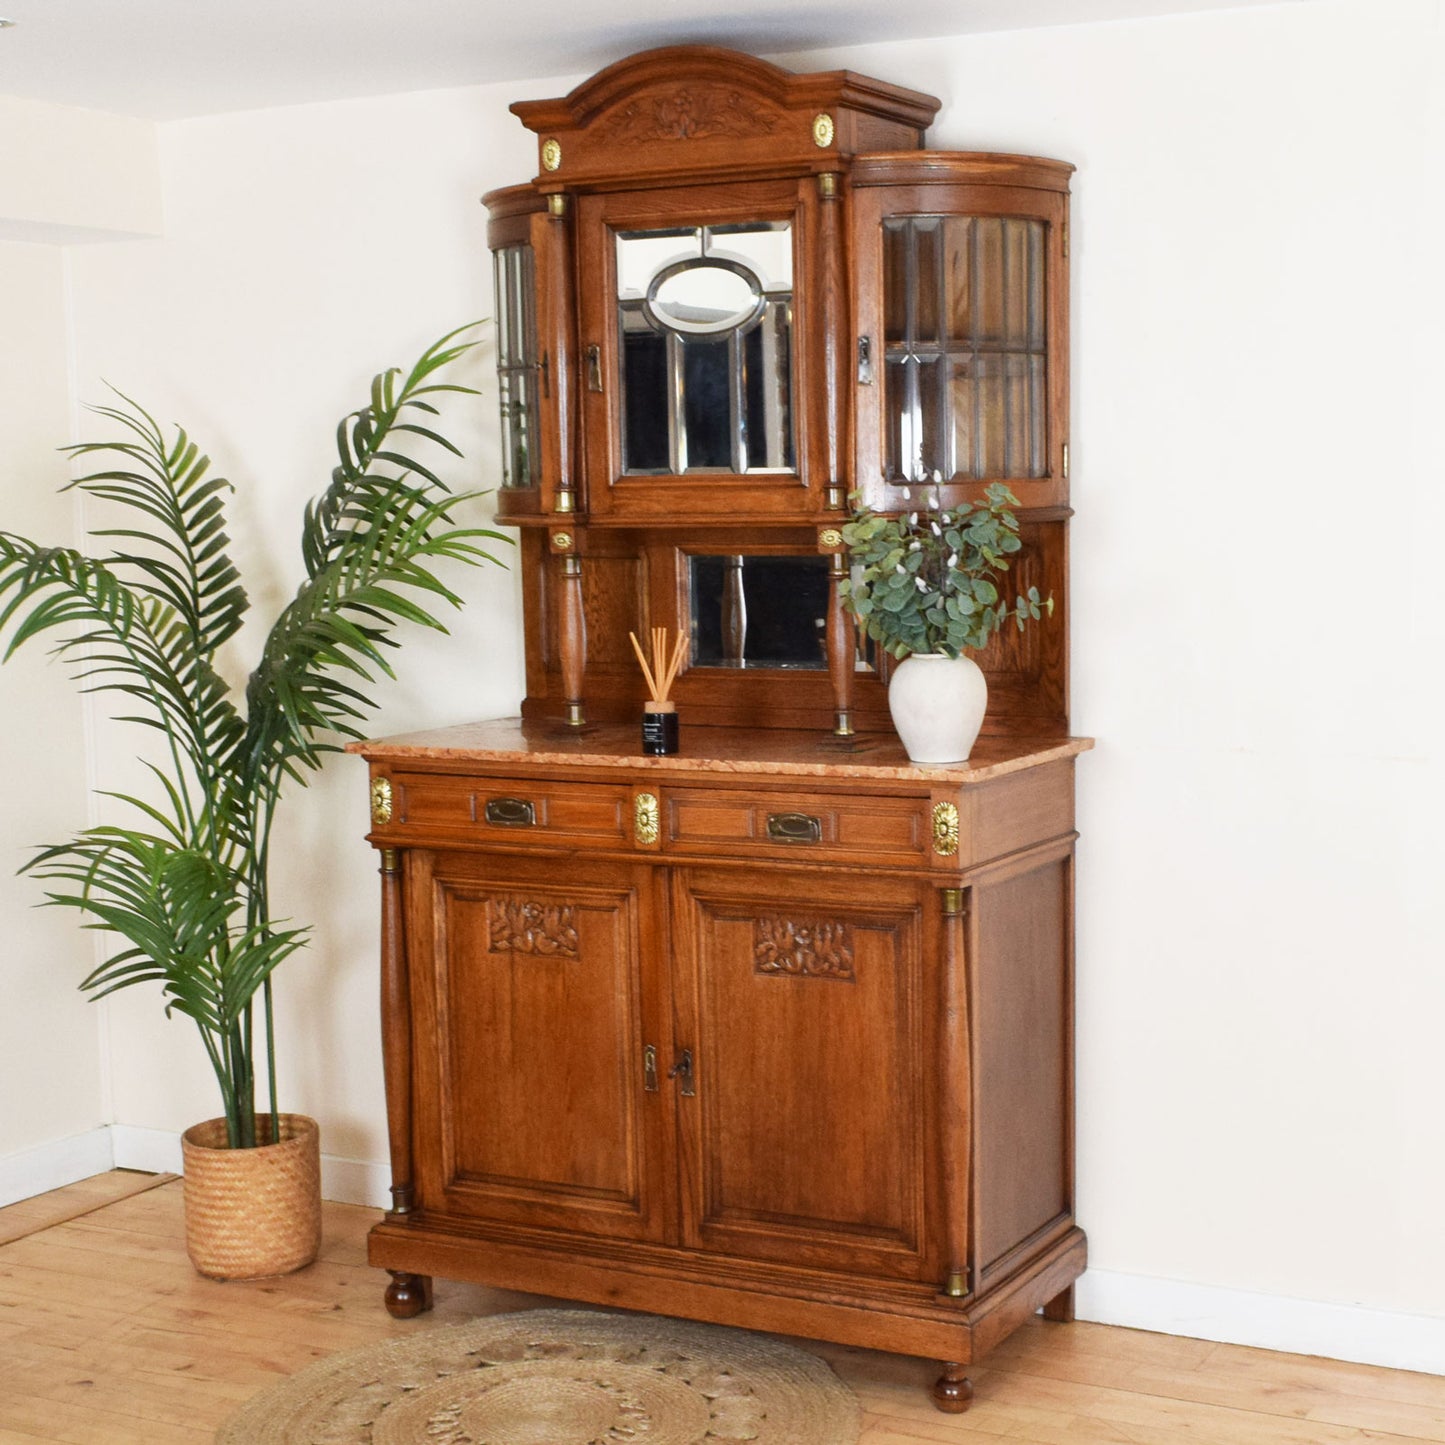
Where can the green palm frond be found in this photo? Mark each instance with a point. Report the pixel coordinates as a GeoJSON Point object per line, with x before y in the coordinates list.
{"type": "Point", "coordinates": [187, 894]}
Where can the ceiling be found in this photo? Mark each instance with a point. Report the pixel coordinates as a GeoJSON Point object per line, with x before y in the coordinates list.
{"type": "Point", "coordinates": [168, 59]}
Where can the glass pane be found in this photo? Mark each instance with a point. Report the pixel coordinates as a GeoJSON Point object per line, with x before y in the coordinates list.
{"type": "Point", "coordinates": [958, 277]}
{"type": "Point", "coordinates": [645, 427]}
{"type": "Point", "coordinates": [708, 426]}
{"type": "Point", "coordinates": [711, 391]}
{"type": "Point", "coordinates": [514, 291]}
{"type": "Point", "coordinates": [767, 425]}
{"type": "Point", "coordinates": [703, 298]}
{"type": "Point", "coordinates": [759, 611]}
{"type": "Point", "coordinates": [895, 281]}
{"type": "Point", "coordinates": [965, 386]}
{"type": "Point", "coordinates": [928, 279]}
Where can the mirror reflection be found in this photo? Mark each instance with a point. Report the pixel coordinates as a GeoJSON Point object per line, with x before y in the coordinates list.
{"type": "Point", "coordinates": [705, 319]}
{"type": "Point", "coordinates": [759, 611]}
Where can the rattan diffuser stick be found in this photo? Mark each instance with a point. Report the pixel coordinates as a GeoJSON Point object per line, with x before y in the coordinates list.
{"type": "Point", "coordinates": [661, 675]}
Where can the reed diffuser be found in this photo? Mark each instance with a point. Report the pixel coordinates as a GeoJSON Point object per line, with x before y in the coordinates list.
{"type": "Point", "coordinates": [659, 714]}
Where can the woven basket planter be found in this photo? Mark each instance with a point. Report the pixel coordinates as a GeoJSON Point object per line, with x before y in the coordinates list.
{"type": "Point", "coordinates": [251, 1213]}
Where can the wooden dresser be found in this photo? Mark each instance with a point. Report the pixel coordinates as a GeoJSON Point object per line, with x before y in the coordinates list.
{"type": "Point", "coordinates": [775, 1031]}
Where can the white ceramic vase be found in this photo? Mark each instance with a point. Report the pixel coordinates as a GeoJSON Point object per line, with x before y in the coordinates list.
{"type": "Point", "coordinates": [937, 704]}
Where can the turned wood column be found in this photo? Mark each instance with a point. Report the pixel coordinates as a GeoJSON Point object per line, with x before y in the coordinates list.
{"type": "Point", "coordinates": [842, 639]}
{"type": "Point", "coordinates": [396, 1032]}
{"type": "Point", "coordinates": [571, 627]}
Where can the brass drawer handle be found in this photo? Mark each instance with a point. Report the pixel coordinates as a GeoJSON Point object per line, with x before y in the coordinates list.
{"type": "Point", "coordinates": [794, 828]}
{"type": "Point", "coordinates": [511, 813]}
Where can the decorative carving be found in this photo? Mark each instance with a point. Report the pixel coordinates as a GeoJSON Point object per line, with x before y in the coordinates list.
{"type": "Point", "coordinates": [646, 818]}
{"type": "Point", "coordinates": [830, 537]}
{"type": "Point", "coordinates": [381, 802]}
{"type": "Point", "coordinates": [689, 115]}
{"type": "Point", "coordinates": [806, 950]}
{"type": "Point", "coordinates": [547, 930]}
{"type": "Point", "coordinates": [562, 541]}
{"type": "Point", "coordinates": [945, 829]}
{"type": "Point", "coordinates": [551, 153]}
{"type": "Point", "coordinates": [822, 129]}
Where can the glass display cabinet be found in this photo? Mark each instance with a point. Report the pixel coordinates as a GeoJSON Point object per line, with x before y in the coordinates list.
{"type": "Point", "coordinates": [775, 1031]}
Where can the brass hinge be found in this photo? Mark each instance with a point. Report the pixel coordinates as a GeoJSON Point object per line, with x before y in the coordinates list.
{"type": "Point", "coordinates": [1066, 461]}
{"type": "Point", "coordinates": [1065, 239]}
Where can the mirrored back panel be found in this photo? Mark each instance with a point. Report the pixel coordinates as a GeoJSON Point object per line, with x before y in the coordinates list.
{"type": "Point", "coordinates": [759, 611]}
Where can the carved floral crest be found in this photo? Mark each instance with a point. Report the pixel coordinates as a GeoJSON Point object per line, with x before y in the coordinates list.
{"type": "Point", "coordinates": [685, 114]}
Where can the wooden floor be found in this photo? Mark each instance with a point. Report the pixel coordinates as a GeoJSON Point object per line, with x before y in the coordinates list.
{"type": "Point", "coordinates": [107, 1337]}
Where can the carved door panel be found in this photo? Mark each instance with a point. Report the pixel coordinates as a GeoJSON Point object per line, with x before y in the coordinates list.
{"type": "Point", "coordinates": [534, 1000]}
{"type": "Point", "coordinates": [802, 998]}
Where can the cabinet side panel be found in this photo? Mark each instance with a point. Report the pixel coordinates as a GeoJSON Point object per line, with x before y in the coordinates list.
{"type": "Point", "coordinates": [1022, 1029]}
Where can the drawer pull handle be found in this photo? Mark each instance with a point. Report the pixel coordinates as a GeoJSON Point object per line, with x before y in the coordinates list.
{"type": "Point", "coordinates": [794, 828]}
{"type": "Point", "coordinates": [511, 813]}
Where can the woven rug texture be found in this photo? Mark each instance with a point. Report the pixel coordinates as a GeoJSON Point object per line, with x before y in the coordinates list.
{"type": "Point", "coordinates": [558, 1377]}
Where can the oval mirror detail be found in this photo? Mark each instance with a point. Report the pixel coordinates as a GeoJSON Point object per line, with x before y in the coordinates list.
{"type": "Point", "coordinates": [705, 297]}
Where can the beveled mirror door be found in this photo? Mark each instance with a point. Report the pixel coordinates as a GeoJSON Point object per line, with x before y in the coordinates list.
{"type": "Point", "coordinates": [704, 317]}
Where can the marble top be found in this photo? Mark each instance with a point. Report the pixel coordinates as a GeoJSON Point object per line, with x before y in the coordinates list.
{"type": "Point", "coordinates": [753, 751]}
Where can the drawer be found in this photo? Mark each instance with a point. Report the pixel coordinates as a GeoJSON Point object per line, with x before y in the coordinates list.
{"type": "Point", "coordinates": [511, 810]}
{"type": "Point", "coordinates": [788, 823]}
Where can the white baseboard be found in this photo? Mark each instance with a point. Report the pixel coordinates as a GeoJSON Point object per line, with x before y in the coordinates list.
{"type": "Point", "coordinates": [52, 1165]}
{"type": "Point", "coordinates": [347, 1181]}
{"type": "Point", "coordinates": [1171, 1307]}
{"type": "Point", "coordinates": [1272, 1322]}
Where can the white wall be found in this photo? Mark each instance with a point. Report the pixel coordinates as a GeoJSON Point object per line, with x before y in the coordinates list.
{"type": "Point", "coordinates": [305, 250]}
{"type": "Point", "coordinates": [1256, 643]}
{"type": "Point", "coordinates": [65, 175]}
{"type": "Point", "coordinates": [50, 1075]}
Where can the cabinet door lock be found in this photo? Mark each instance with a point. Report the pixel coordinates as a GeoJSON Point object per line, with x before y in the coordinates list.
{"type": "Point", "coordinates": [682, 1072]}
{"type": "Point", "coordinates": [594, 367]}
{"type": "Point", "coordinates": [865, 361]}
{"type": "Point", "coordinates": [649, 1068]}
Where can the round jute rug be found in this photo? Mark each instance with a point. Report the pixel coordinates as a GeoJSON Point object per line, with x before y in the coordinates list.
{"type": "Point", "coordinates": [558, 1377]}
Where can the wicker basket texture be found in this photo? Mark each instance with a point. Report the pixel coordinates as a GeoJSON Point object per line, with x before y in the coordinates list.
{"type": "Point", "coordinates": [252, 1213]}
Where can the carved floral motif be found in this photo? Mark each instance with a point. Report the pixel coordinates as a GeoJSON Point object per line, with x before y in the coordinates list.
{"type": "Point", "coordinates": [689, 115]}
{"type": "Point", "coordinates": [547, 930]}
{"type": "Point", "coordinates": [806, 950]}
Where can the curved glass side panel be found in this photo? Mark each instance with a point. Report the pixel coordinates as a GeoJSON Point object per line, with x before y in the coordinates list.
{"type": "Point", "coordinates": [514, 289]}
{"type": "Point", "coordinates": [704, 314]}
{"type": "Point", "coordinates": [965, 376]}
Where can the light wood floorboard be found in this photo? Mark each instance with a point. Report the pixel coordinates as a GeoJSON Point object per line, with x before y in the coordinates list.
{"type": "Point", "coordinates": [109, 1337]}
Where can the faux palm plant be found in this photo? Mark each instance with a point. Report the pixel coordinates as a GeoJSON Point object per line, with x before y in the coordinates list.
{"type": "Point", "coordinates": [185, 886]}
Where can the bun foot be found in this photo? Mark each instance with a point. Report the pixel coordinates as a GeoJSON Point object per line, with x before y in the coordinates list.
{"type": "Point", "coordinates": [953, 1390]}
{"type": "Point", "coordinates": [408, 1295]}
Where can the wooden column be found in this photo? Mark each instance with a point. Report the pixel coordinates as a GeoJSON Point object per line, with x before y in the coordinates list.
{"type": "Point", "coordinates": [833, 301]}
{"type": "Point", "coordinates": [396, 1032]}
{"type": "Point", "coordinates": [842, 641]}
{"type": "Point", "coordinates": [956, 1088]}
{"type": "Point", "coordinates": [560, 329]}
{"type": "Point", "coordinates": [571, 629]}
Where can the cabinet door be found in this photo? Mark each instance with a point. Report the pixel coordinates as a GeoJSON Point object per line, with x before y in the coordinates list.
{"type": "Point", "coordinates": [533, 999]}
{"type": "Point", "coordinates": [802, 998]}
{"type": "Point", "coordinates": [961, 302]}
{"type": "Point", "coordinates": [694, 314]}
